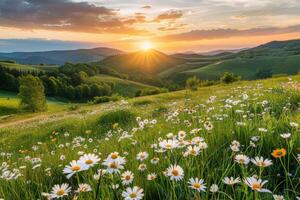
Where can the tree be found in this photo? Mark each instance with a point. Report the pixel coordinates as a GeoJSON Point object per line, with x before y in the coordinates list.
{"type": "Point", "coordinates": [229, 78]}
{"type": "Point", "coordinates": [31, 93]}
{"type": "Point", "coordinates": [264, 73]}
{"type": "Point", "coordinates": [192, 83]}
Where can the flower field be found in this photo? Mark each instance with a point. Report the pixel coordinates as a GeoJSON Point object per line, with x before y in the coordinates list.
{"type": "Point", "coordinates": [239, 141]}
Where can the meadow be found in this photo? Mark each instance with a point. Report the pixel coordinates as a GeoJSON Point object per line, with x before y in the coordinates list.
{"type": "Point", "coordinates": [237, 141]}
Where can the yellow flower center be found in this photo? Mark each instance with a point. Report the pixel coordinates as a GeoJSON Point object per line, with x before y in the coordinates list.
{"type": "Point", "coordinates": [193, 152]}
{"type": "Point", "coordinates": [60, 192]}
{"type": "Point", "coordinates": [197, 185]}
{"type": "Point", "coordinates": [168, 146]}
{"type": "Point", "coordinates": [127, 177]}
{"type": "Point", "coordinates": [256, 186]}
{"type": "Point", "coordinates": [114, 156]}
{"type": "Point", "coordinates": [76, 168]}
{"type": "Point", "coordinates": [175, 172]}
{"type": "Point", "coordinates": [113, 165]}
{"type": "Point", "coordinates": [133, 195]}
{"type": "Point", "coordinates": [89, 161]}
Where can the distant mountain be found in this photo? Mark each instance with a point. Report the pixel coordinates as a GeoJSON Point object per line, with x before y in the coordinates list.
{"type": "Point", "coordinates": [150, 62]}
{"type": "Point", "coordinates": [60, 57]}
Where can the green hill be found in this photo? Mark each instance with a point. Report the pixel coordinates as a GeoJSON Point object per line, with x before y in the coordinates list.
{"type": "Point", "coordinates": [121, 86]}
{"type": "Point", "coordinates": [14, 65]}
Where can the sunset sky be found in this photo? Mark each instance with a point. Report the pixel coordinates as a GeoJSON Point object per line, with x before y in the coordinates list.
{"type": "Point", "coordinates": [169, 25]}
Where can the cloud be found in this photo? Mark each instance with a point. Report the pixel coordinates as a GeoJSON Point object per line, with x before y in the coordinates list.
{"type": "Point", "coordinates": [227, 33]}
{"type": "Point", "coordinates": [38, 44]}
{"type": "Point", "coordinates": [65, 15]}
{"type": "Point", "coordinates": [147, 7]}
{"type": "Point", "coordinates": [169, 15]}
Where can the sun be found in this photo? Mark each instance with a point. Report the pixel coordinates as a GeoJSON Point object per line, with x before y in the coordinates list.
{"type": "Point", "coordinates": [146, 45]}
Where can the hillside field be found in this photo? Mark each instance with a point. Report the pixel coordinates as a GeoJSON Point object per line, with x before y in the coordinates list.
{"type": "Point", "coordinates": [205, 144]}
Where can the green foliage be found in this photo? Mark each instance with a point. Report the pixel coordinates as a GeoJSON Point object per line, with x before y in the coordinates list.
{"type": "Point", "coordinates": [192, 83]}
{"type": "Point", "coordinates": [122, 117]}
{"type": "Point", "coordinates": [264, 73]}
{"type": "Point", "coordinates": [142, 102]}
{"type": "Point", "coordinates": [229, 78]}
{"type": "Point", "coordinates": [104, 99]}
{"type": "Point", "coordinates": [32, 94]}
{"type": "Point", "coordinates": [146, 92]}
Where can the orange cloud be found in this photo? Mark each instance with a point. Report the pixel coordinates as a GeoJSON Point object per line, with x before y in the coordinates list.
{"type": "Point", "coordinates": [169, 15]}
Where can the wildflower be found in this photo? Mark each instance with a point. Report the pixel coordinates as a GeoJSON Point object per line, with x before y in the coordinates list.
{"type": "Point", "coordinates": [168, 144]}
{"type": "Point", "coordinates": [231, 180]}
{"type": "Point", "coordinates": [193, 150]}
{"type": "Point", "coordinates": [286, 135]}
{"type": "Point", "coordinates": [260, 162]}
{"type": "Point", "coordinates": [142, 167]}
{"type": "Point", "coordinates": [279, 153]}
{"type": "Point", "coordinates": [99, 173]}
{"type": "Point", "coordinates": [154, 160]}
{"type": "Point", "coordinates": [197, 184]}
{"type": "Point", "coordinates": [175, 172]}
{"type": "Point", "coordinates": [242, 159]}
{"type": "Point", "coordinates": [278, 197]}
{"type": "Point", "coordinates": [127, 177]}
{"type": "Point", "coordinates": [181, 135]}
{"type": "Point", "coordinates": [59, 191]}
{"type": "Point", "coordinates": [74, 167]}
{"type": "Point", "coordinates": [256, 184]}
{"type": "Point", "coordinates": [142, 156]}
{"type": "Point", "coordinates": [214, 188]}
{"type": "Point", "coordinates": [113, 166]}
{"type": "Point", "coordinates": [84, 187]}
{"type": "Point", "coordinates": [89, 159]}
{"type": "Point", "coordinates": [134, 193]}
{"type": "Point", "coordinates": [151, 176]}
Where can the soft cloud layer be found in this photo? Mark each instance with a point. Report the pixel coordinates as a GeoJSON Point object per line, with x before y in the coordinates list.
{"type": "Point", "coordinates": [64, 15]}
{"type": "Point", "coordinates": [226, 33]}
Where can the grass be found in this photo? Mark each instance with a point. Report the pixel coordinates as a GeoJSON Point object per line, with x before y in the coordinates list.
{"type": "Point", "coordinates": [9, 107]}
{"type": "Point", "coordinates": [270, 108]}
{"type": "Point", "coordinates": [247, 68]}
{"type": "Point", "coordinates": [122, 87]}
{"type": "Point", "coordinates": [27, 67]}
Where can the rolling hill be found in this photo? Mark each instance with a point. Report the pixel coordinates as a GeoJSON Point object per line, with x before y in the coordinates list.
{"type": "Point", "coordinates": [60, 57]}
{"type": "Point", "coordinates": [145, 62]}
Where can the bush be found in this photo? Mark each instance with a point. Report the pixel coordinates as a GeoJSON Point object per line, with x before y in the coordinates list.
{"type": "Point", "coordinates": [142, 102]}
{"type": "Point", "coordinates": [122, 117]}
{"type": "Point", "coordinates": [104, 99]}
{"type": "Point", "coordinates": [229, 78]}
{"type": "Point", "coordinates": [264, 73]}
{"type": "Point", "coordinates": [192, 83]}
{"type": "Point", "coordinates": [32, 94]}
{"type": "Point", "coordinates": [146, 92]}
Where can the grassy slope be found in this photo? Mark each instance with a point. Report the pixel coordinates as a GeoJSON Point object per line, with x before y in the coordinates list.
{"type": "Point", "coordinates": [247, 68]}
{"type": "Point", "coordinates": [28, 67]}
{"type": "Point", "coordinates": [213, 164]}
{"type": "Point", "coordinates": [9, 107]}
{"type": "Point", "coordinates": [123, 87]}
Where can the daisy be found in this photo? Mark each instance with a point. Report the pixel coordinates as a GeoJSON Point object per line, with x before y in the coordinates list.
{"type": "Point", "coordinates": [59, 191]}
{"type": "Point", "coordinates": [286, 135]}
{"type": "Point", "coordinates": [256, 184]}
{"type": "Point", "coordinates": [142, 156]}
{"type": "Point", "coordinates": [260, 162]}
{"type": "Point", "coordinates": [83, 187]}
{"type": "Point", "coordinates": [193, 150]}
{"type": "Point", "coordinates": [231, 180]}
{"type": "Point", "coordinates": [151, 176]}
{"type": "Point", "coordinates": [278, 153]}
{"type": "Point", "coordinates": [278, 197]}
{"type": "Point", "coordinates": [127, 177]}
{"type": "Point", "coordinates": [89, 159]}
{"type": "Point", "coordinates": [134, 193]}
{"type": "Point", "coordinates": [175, 172]}
{"type": "Point", "coordinates": [154, 160]}
{"type": "Point", "coordinates": [214, 188]}
{"type": "Point", "coordinates": [113, 166]}
{"type": "Point", "coordinates": [197, 184]}
{"type": "Point", "coordinates": [74, 167]}
{"type": "Point", "coordinates": [168, 144]}
{"type": "Point", "coordinates": [242, 159]}
{"type": "Point", "coordinates": [181, 135]}
{"type": "Point", "coordinates": [142, 167]}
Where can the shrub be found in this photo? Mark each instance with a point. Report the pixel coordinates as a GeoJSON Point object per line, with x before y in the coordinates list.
{"type": "Point", "coordinates": [264, 73]}
{"type": "Point", "coordinates": [122, 117]}
{"type": "Point", "coordinates": [229, 77]}
{"type": "Point", "coordinates": [142, 102]}
{"type": "Point", "coordinates": [104, 99]}
{"type": "Point", "coordinates": [146, 92]}
{"type": "Point", "coordinates": [192, 83]}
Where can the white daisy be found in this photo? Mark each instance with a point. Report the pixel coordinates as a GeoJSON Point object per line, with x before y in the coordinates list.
{"type": "Point", "coordinates": [127, 177]}
{"type": "Point", "coordinates": [197, 184]}
{"type": "Point", "coordinates": [134, 193]}
{"type": "Point", "coordinates": [256, 184]}
{"type": "Point", "coordinates": [74, 167]}
{"type": "Point", "coordinates": [89, 159]}
{"type": "Point", "coordinates": [59, 191]}
{"type": "Point", "coordinates": [83, 187]}
{"type": "Point", "coordinates": [242, 159]}
{"type": "Point", "coordinates": [260, 162]}
{"type": "Point", "coordinates": [231, 180]}
{"type": "Point", "coordinates": [175, 172]}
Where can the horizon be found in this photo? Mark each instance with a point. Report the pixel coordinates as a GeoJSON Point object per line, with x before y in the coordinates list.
{"type": "Point", "coordinates": [171, 26]}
